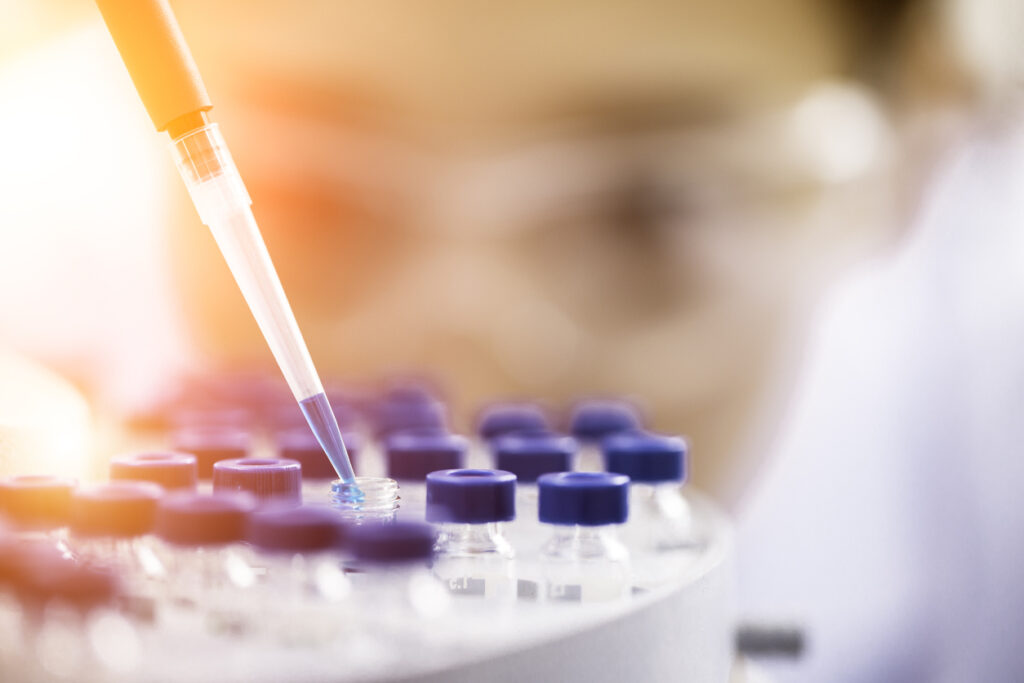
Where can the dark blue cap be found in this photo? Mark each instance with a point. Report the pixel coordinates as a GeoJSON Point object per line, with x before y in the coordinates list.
{"type": "Point", "coordinates": [295, 529]}
{"type": "Point", "coordinates": [411, 456]}
{"type": "Point", "coordinates": [471, 496]}
{"type": "Point", "coordinates": [596, 419]}
{"type": "Point", "coordinates": [646, 457]}
{"type": "Point", "coordinates": [300, 444]}
{"type": "Point", "coordinates": [505, 418]}
{"type": "Point", "coordinates": [529, 455]}
{"type": "Point", "coordinates": [392, 416]}
{"type": "Point", "coordinates": [583, 498]}
{"type": "Point", "coordinates": [392, 543]}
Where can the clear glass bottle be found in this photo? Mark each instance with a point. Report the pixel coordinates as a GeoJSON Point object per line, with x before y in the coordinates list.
{"type": "Point", "coordinates": [268, 480]}
{"type": "Point", "coordinates": [207, 564]}
{"type": "Point", "coordinates": [377, 500]}
{"type": "Point", "coordinates": [300, 598]}
{"type": "Point", "coordinates": [397, 598]}
{"type": "Point", "coordinates": [583, 560]}
{"type": "Point", "coordinates": [37, 508]}
{"type": "Point", "coordinates": [661, 531]}
{"type": "Point", "coordinates": [172, 471]}
{"type": "Point", "coordinates": [318, 473]}
{"type": "Point", "coordinates": [111, 526]}
{"type": "Point", "coordinates": [528, 455]}
{"type": "Point", "coordinates": [470, 507]}
{"type": "Point", "coordinates": [593, 420]}
{"type": "Point", "coordinates": [412, 455]}
{"type": "Point", "coordinates": [70, 627]}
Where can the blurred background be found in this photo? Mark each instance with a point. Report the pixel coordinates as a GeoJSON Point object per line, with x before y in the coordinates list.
{"type": "Point", "coordinates": [788, 230]}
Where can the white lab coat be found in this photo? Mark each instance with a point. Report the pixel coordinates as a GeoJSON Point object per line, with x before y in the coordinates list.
{"type": "Point", "coordinates": [891, 523]}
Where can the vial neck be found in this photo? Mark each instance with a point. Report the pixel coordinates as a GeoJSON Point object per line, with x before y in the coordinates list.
{"type": "Point", "coordinates": [586, 542]}
{"type": "Point", "coordinates": [377, 499]}
{"type": "Point", "coordinates": [472, 539]}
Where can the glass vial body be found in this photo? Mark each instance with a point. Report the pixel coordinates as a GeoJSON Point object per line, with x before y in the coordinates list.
{"type": "Point", "coordinates": [472, 555]}
{"type": "Point", "coordinates": [585, 564]}
{"type": "Point", "coordinates": [376, 501]}
{"type": "Point", "coordinates": [583, 561]}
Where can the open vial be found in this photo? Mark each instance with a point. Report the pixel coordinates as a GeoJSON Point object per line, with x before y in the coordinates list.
{"type": "Point", "coordinates": [370, 500]}
{"type": "Point", "coordinates": [583, 560]}
{"type": "Point", "coordinates": [473, 557]}
{"type": "Point", "coordinates": [318, 473]}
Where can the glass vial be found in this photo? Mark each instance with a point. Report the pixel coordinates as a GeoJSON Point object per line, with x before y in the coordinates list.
{"type": "Point", "coordinates": [470, 507]}
{"type": "Point", "coordinates": [583, 560]}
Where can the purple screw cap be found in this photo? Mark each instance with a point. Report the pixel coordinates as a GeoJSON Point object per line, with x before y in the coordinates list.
{"type": "Point", "coordinates": [210, 445]}
{"type": "Point", "coordinates": [393, 543]}
{"type": "Point", "coordinates": [121, 509]}
{"type": "Point", "coordinates": [265, 478]}
{"type": "Point", "coordinates": [401, 413]}
{"type": "Point", "coordinates": [471, 496]}
{"type": "Point", "coordinates": [529, 455]}
{"type": "Point", "coordinates": [583, 498]}
{"type": "Point", "coordinates": [169, 470]}
{"type": "Point", "coordinates": [646, 457]}
{"type": "Point", "coordinates": [595, 419]}
{"type": "Point", "coordinates": [411, 456]}
{"type": "Point", "coordinates": [195, 519]}
{"type": "Point", "coordinates": [506, 418]}
{"type": "Point", "coordinates": [300, 444]}
{"type": "Point", "coordinates": [295, 529]}
{"type": "Point", "coordinates": [37, 501]}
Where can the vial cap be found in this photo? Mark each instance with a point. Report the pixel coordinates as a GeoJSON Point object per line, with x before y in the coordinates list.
{"type": "Point", "coordinates": [646, 457]}
{"type": "Point", "coordinates": [506, 418]}
{"type": "Point", "coordinates": [37, 501]}
{"type": "Point", "coordinates": [529, 455]}
{"type": "Point", "coordinates": [583, 498]}
{"type": "Point", "coordinates": [301, 445]}
{"type": "Point", "coordinates": [196, 519]}
{"type": "Point", "coordinates": [121, 509]}
{"type": "Point", "coordinates": [401, 414]}
{"type": "Point", "coordinates": [411, 456]}
{"type": "Point", "coordinates": [471, 496]}
{"type": "Point", "coordinates": [595, 419]}
{"type": "Point", "coordinates": [170, 470]}
{"type": "Point", "coordinates": [393, 543]}
{"type": "Point", "coordinates": [295, 529]}
{"type": "Point", "coordinates": [267, 479]}
{"type": "Point", "coordinates": [210, 445]}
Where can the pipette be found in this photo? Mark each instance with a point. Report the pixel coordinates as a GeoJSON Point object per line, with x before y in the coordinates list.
{"type": "Point", "coordinates": [166, 77]}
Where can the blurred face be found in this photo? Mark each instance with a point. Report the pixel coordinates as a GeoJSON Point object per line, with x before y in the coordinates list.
{"type": "Point", "coordinates": [549, 200]}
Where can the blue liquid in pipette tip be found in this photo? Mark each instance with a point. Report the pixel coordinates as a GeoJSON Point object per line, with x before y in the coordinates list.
{"type": "Point", "coordinates": [321, 420]}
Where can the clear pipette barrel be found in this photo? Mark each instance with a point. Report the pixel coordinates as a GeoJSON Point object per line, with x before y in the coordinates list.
{"type": "Point", "coordinates": [224, 206]}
